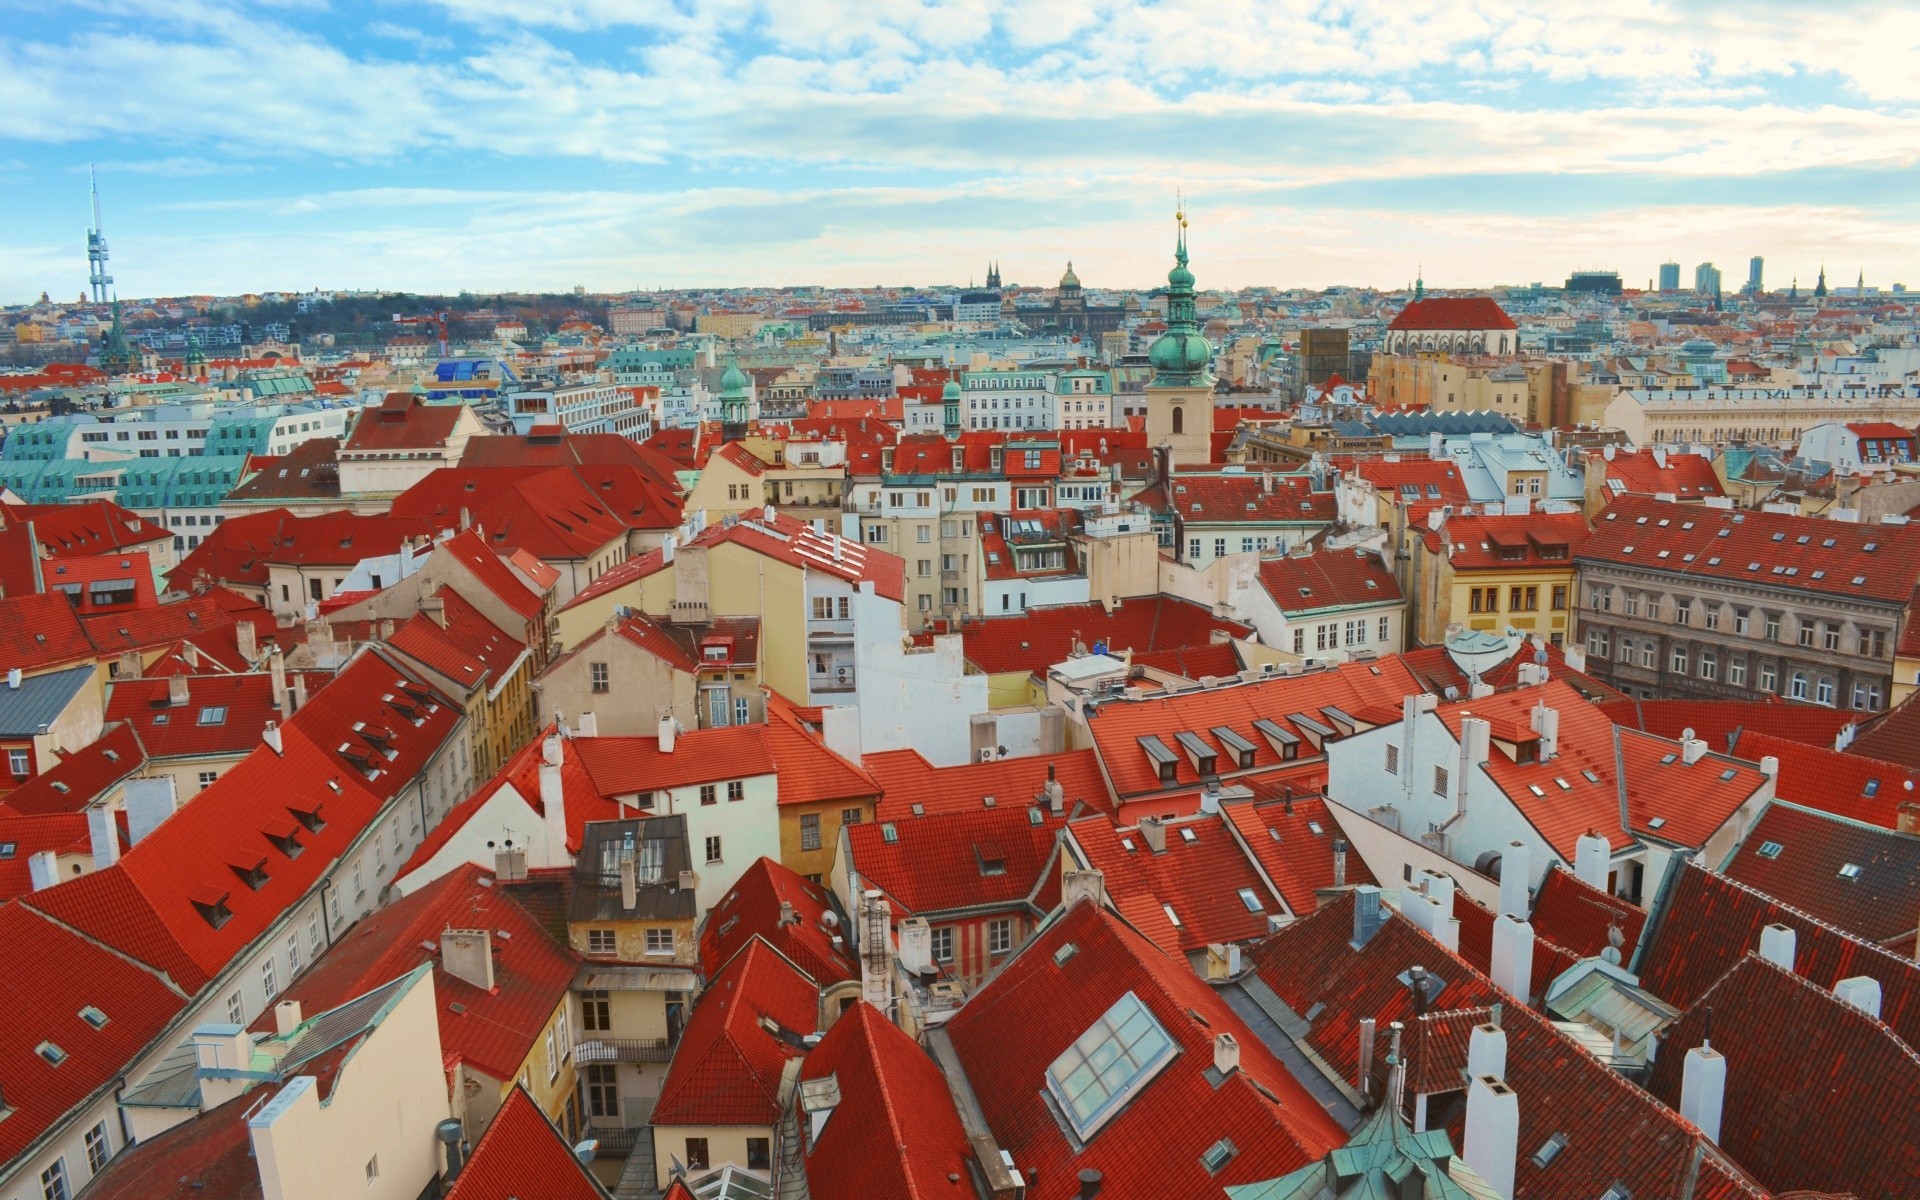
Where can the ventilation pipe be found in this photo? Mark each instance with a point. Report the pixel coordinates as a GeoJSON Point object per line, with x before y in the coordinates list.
{"type": "Point", "coordinates": [448, 1131]}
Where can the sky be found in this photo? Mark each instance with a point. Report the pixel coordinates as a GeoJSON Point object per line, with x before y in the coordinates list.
{"type": "Point", "coordinates": [485, 145]}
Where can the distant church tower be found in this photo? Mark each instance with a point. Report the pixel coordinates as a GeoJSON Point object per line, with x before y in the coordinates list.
{"type": "Point", "coordinates": [993, 277]}
{"type": "Point", "coordinates": [1180, 397]}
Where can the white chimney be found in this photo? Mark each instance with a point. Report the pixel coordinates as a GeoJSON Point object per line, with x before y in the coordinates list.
{"type": "Point", "coordinates": [1861, 991]}
{"type": "Point", "coordinates": [553, 804]}
{"type": "Point", "coordinates": [589, 725]}
{"type": "Point", "coordinates": [629, 885]}
{"type": "Point", "coordinates": [14, 676]}
{"type": "Point", "coordinates": [1703, 1089]}
{"type": "Point", "coordinates": [43, 869]}
{"type": "Point", "coordinates": [1516, 871]}
{"type": "Point", "coordinates": [1487, 1051]}
{"type": "Point", "coordinates": [1591, 855]}
{"type": "Point", "coordinates": [1777, 945]}
{"type": "Point", "coordinates": [270, 734]}
{"type": "Point", "coordinates": [1078, 885]}
{"type": "Point", "coordinates": [1154, 834]}
{"type": "Point", "coordinates": [669, 728]}
{"type": "Point", "coordinates": [1576, 659]}
{"type": "Point", "coordinates": [1691, 747]}
{"type": "Point", "coordinates": [222, 1048]}
{"type": "Point", "coordinates": [840, 730]}
{"type": "Point", "coordinates": [148, 803]}
{"type": "Point", "coordinates": [1475, 737]}
{"type": "Point", "coordinates": [1056, 796]}
{"type": "Point", "coordinates": [277, 674]}
{"type": "Point", "coordinates": [1770, 767]}
{"type": "Point", "coordinates": [467, 954]}
{"type": "Point", "coordinates": [286, 1017]}
{"type": "Point", "coordinates": [1546, 723]}
{"type": "Point", "coordinates": [916, 945]}
{"type": "Point", "coordinates": [1493, 1132]}
{"type": "Point", "coordinates": [104, 836]}
{"type": "Point", "coordinates": [1226, 1053]}
{"type": "Point", "coordinates": [1512, 966]}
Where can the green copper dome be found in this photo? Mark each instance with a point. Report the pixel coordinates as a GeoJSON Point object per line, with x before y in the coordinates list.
{"type": "Point", "coordinates": [1181, 356]}
{"type": "Point", "coordinates": [733, 379]}
{"type": "Point", "coordinates": [951, 391]}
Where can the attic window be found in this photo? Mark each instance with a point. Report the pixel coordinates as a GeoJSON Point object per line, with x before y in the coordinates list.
{"type": "Point", "coordinates": [1872, 788]}
{"type": "Point", "coordinates": [52, 1053]}
{"type": "Point", "coordinates": [1127, 845]}
{"type": "Point", "coordinates": [1034, 817]}
{"type": "Point", "coordinates": [1218, 1155]}
{"type": "Point", "coordinates": [1171, 915]}
{"type": "Point", "coordinates": [254, 874]}
{"type": "Point", "coordinates": [1858, 580]}
{"type": "Point", "coordinates": [888, 833]}
{"type": "Point", "coordinates": [1667, 760]}
{"type": "Point", "coordinates": [213, 909]}
{"type": "Point", "coordinates": [1550, 1151]}
{"type": "Point", "coordinates": [1770, 850]}
{"type": "Point", "coordinates": [310, 819]}
{"type": "Point", "coordinates": [1656, 823]}
{"type": "Point", "coordinates": [1188, 836]}
{"type": "Point", "coordinates": [1849, 870]}
{"type": "Point", "coordinates": [1590, 777]}
{"type": "Point", "coordinates": [213, 715]}
{"type": "Point", "coordinates": [1537, 790]}
{"type": "Point", "coordinates": [1314, 828]}
{"type": "Point", "coordinates": [1108, 1065]}
{"type": "Point", "coordinates": [1064, 954]}
{"type": "Point", "coordinates": [94, 1017]}
{"type": "Point", "coordinates": [991, 859]}
{"type": "Point", "coordinates": [9, 849]}
{"type": "Point", "coordinates": [1870, 547]}
{"type": "Point", "coordinates": [1728, 774]}
{"type": "Point", "coordinates": [919, 810]}
{"type": "Point", "coordinates": [287, 843]}
{"type": "Point", "coordinates": [1563, 784]}
{"type": "Point", "coordinates": [1252, 901]}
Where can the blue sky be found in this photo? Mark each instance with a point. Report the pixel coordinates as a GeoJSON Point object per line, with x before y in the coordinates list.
{"type": "Point", "coordinates": [493, 144]}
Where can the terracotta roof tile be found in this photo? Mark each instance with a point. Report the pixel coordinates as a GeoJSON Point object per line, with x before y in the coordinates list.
{"type": "Point", "coordinates": [1453, 312]}
{"type": "Point", "coordinates": [1846, 785]}
{"type": "Point", "coordinates": [79, 778]}
{"type": "Point", "coordinates": [809, 771]}
{"type": "Point", "coordinates": [627, 765]}
{"type": "Point", "coordinates": [753, 907]}
{"type": "Point", "coordinates": [1797, 855]}
{"type": "Point", "coordinates": [1293, 842]}
{"type": "Point", "coordinates": [727, 1068]}
{"type": "Point", "coordinates": [522, 1154]}
{"type": "Point", "coordinates": [1306, 583]}
{"type": "Point", "coordinates": [908, 780]}
{"type": "Point", "coordinates": [1043, 636]}
{"type": "Point", "coordinates": [1202, 876]}
{"type": "Point", "coordinates": [933, 864]}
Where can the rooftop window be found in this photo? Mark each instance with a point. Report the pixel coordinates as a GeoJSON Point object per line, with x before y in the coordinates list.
{"type": "Point", "coordinates": [1118, 1055]}
{"type": "Point", "coordinates": [1252, 901]}
{"type": "Point", "coordinates": [214, 715]}
{"type": "Point", "coordinates": [1770, 849]}
{"type": "Point", "coordinates": [1849, 870]}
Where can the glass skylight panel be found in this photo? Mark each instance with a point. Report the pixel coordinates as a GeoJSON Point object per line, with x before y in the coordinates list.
{"type": "Point", "coordinates": [1107, 1064]}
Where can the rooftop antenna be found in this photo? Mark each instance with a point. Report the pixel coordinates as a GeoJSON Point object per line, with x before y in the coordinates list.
{"type": "Point", "coordinates": [97, 277]}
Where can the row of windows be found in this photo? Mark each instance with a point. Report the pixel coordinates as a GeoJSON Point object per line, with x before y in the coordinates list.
{"type": "Point", "coordinates": [810, 826]}
{"type": "Point", "coordinates": [1828, 635]}
{"type": "Point", "coordinates": [1709, 663]}
{"type": "Point", "coordinates": [1519, 599]}
{"type": "Point", "coordinates": [606, 941]}
{"type": "Point", "coordinates": [1332, 635]}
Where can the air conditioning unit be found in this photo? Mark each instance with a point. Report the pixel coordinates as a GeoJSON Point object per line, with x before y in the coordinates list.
{"type": "Point", "coordinates": [986, 754]}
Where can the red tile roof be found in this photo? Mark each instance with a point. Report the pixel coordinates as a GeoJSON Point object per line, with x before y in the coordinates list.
{"type": "Point", "coordinates": [522, 1154]}
{"type": "Point", "coordinates": [493, 572]}
{"type": "Point", "coordinates": [743, 458]}
{"type": "Point", "coordinates": [1199, 876]}
{"type": "Point", "coordinates": [44, 1006]}
{"type": "Point", "coordinates": [1796, 855]}
{"type": "Point", "coordinates": [209, 616]}
{"type": "Point", "coordinates": [1356, 688]}
{"type": "Point", "coordinates": [988, 857]}
{"type": "Point", "coordinates": [1297, 857]}
{"type": "Point", "coordinates": [189, 730]}
{"type": "Point", "coordinates": [752, 908]}
{"type": "Point", "coordinates": [552, 514]}
{"type": "Point", "coordinates": [1719, 722]}
{"type": "Point", "coordinates": [1570, 913]}
{"type": "Point", "coordinates": [209, 1155]}
{"type": "Point", "coordinates": [1563, 1089]}
{"type": "Point", "coordinates": [895, 1132]}
{"type": "Point", "coordinates": [470, 650]}
{"type": "Point", "coordinates": [1453, 312]}
{"type": "Point", "coordinates": [1041, 637]}
{"type": "Point", "coordinates": [490, 1031]}
{"type": "Point", "coordinates": [403, 421]}
{"type": "Point", "coordinates": [1043, 1000]}
{"type": "Point", "coordinates": [23, 836]}
{"type": "Point", "coordinates": [809, 772]}
{"type": "Point", "coordinates": [1895, 736]}
{"type": "Point", "coordinates": [1481, 543]}
{"type": "Point", "coordinates": [336, 539]}
{"type": "Point", "coordinates": [1685, 476]}
{"type": "Point", "coordinates": [572, 450]}
{"type": "Point", "coordinates": [41, 631]}
{"type": "Point", "coordinates": [1758, 549]}
{"type": "Point", "coordinates": [79, 778]}
{"type": "Point", "coordinates": [727, 1068]}
{"type": "Point", "coordinates": [234, 553]}
{"type": "Point", "coordinates": [624, 766]}
{"type": "Point", "coordinates": [90, 527]}
{"type": "Point", "coordinates": [1303, 583]}
{"type": "Point", "coordinates": [1818, 1094]}
{"type": "Point", "coordinates": [907, 779]}
{"type": "Point", "coordinates": [1255, 496]}
{"type": "Point", "coordinates": [1706, 923]}
{"type": "Point", "coordinates": [1847, 785]}
{"type": "Point", "coordinates": [522, 773]}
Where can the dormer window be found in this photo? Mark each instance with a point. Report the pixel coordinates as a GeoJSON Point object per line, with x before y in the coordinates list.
{"type": "Point", "coordinates": [212, 907]}
{"type": "Point", "coordinates": [287, 842]}
{"type": "Point", "coordinates": [253, 874]}
{"type": "Point", "coordinates": [309, 818]}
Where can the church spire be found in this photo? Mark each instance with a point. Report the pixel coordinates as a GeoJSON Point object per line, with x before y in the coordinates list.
{"type": "Point", "coordinates": [1420, 284]}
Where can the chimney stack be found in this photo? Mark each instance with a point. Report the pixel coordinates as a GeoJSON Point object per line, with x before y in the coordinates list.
{"type": "Point", "coordinates": [1493, 1132]}
{"type": "Point", "coordinates": [1487, 1051]}
{"type": "Point", "coordinates": [270, 734]}
{"type": "Point", "coordinates": [1703, 1087]}
{"type": "Point", "coordinates": [1226, 1053]}
{"type": "Point", "coordinates": [1546, 723]}
{"type": "Point", "coordinates": [1368, 914]}
{"type": "Point", "coordinates": [247, 639]}
{"type": "Point", "coordinates": [1055, 794]}
{"type": "Point", "coordinates": [589, 726]}
{"type": "Point", "coordinates": [226, 1049]}
{"type": "Point", "coordinates": [1154, 834]}
{"type": "Point", "coordinates": [104, 836]}
{"type": "Point", "coordinates": [1090, 1181]}
{"type": "Point", "coordinates": [629, 885]}
{"type": "Point", "coordinates": [277, 668]}
{"type": "Point", "coordinates": [916, 945]}
{"type": "Point", "coordinates": [509, 864]}
{"type": "Point", "coordinates": [299, 691]}
{"type": "Point", "coordinates": [449, 1133]}
{"type": "Point", "coordinates": [1691, 747]}
{"type": "Point", "coordinates": [1777, 943]}
{"type": "Point", "coordinates": [1516, 867]}
{"type": "Point", "coordinates": [1591, 856]}
{"type": "Point", "coordinates": [467, 954]}
{"type": "Point", "coordinates": [1078, 885]}
{"type": "Point", "coordinates": [129, 665]}
{"type": "Point", "coordinates": [553, 802]}
{"type": "Point", "coordinates": [1475, 737]}
{"type": "Point", "coordinates": [1861, 991]}
{"type": "Point", "coordinates": [177, 691]}
{"type": "Point", "coordinates": [43, 869]}
{"type": "Point", "coordinates": [286, 1017]}
{"type": "Point", "coordinates": [1339, 862]}
{"type": "Point", "coordinates": [1512, 966]}
{"type": "Point", "coordinates": [669, 728]}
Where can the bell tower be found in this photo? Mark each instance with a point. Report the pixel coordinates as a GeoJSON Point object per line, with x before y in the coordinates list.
{"type": "Point", "coordinates": [1180, 397]}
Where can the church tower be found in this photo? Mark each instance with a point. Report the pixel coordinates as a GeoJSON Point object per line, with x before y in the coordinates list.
{"type": "Point", "coordinates": [1180, 397]}
{"type": "Point", "coordinates": [736, 401]}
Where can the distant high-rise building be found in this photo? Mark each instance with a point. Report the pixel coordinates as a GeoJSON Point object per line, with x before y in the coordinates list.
{"type": "Point", "coordinates": [1706, 279]}
{"type": "Point", "coordinates": [1670, 277]}
{"type": "Point", "coordinates": [1756, 271]}
{"type": "Point", "coordinates": [1604, 283]}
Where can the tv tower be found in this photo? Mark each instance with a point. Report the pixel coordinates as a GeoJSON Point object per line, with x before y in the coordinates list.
{"type": "Point", "coordinates": [97, 277]}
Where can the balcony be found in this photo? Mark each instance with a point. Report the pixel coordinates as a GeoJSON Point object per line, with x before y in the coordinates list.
{"type": "Point", "coordinates": [627, 1050]}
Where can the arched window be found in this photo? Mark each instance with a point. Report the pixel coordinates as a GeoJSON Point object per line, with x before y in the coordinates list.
{"type": "Point", "coordinates": [1179, 420]}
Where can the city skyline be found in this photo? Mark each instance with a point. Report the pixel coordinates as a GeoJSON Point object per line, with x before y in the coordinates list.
{"type": "Point", "coordinates": [491, 146]}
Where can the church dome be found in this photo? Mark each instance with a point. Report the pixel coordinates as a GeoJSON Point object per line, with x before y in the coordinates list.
{"type": "Point", "coordinates": [951, 391]}
{"type": "Point", "coordinates": [1069, 280]}
{"type": "Point", "coordinates": [733, 379]}
{"type": "Point", "coordinates": [1180, 276]}
{"type": "Point", "coordinates": [1180, 352]}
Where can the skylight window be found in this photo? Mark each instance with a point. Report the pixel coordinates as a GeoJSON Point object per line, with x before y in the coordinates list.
{"type": "Point", "coordinates": [52, 1053]}
{"type": "Point", "coordinates": [1656, 823]}
{"type": "Point", "coordinates": [1171, 915]}
{"type": "Point", "coordinates": [1248, 898]}
{"type": "Point", "coordinates": [1590, 777]}
{"type": "Point", "coordinates": [1218, 1155]}
{"type": "Point", "coordinates": [215, 714]}
{"type": "Point", "coordinates": [1872, 788]}
{"type": "Point", "coordinates": [1850, 870]}
{"type": "Point", "coordinates": [888, 833]}
{"type": "Point", "coordinates": [94, 1017]}
{"type": "Point", "coordinates": [1770, 850]}
{"type": "Point", "coordinates": [1108, 1064]}
{"type": "Point", "coordinates": [1729, 773]}
{"type": "Point", "coordinates": [1667, 760]}
{"type": "Point", "coordinates": [1188, 836]}
{"type": "Point", "coordinates": [1313, 827]}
